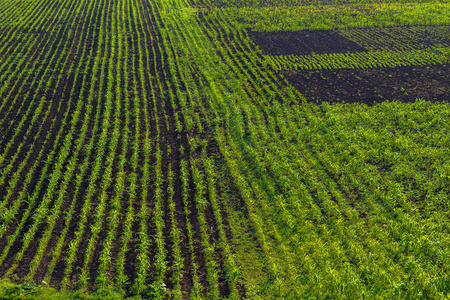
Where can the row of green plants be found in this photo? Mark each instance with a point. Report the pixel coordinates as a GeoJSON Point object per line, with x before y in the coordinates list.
{"type": "Point", "coordinates": [121, 280]}
{"type": "Point", "coordinates": [104, 278]}
{"type": "Point", "coordinates": [360, 60]}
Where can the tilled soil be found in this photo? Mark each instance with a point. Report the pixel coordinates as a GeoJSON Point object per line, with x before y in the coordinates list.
{"type": "Point", "coordinates": [304, 42]}
{"type": "Point", "coordinates": [371, 86]}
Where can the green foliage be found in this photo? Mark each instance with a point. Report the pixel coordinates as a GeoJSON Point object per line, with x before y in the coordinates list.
{"type": "Point", "coordinates": [283, 3]}
{"type": "Point", "coordinates": [361, 60]}
{"type": "Point", "coordinates": [360, 15]}
{"type": "Point", "coordinates": [28, 291]}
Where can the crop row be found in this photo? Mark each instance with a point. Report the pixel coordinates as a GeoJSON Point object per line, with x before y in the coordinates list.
{"type": "Point", "coordinates": [361, 60]}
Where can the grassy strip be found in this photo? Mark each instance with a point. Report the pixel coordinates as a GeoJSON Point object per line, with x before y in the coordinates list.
{"type": "Point", "coordinates": [292, 18]}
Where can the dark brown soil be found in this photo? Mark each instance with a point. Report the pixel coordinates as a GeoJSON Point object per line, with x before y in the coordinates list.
{"type": "Point", "coordinates": [351, 40]}
{"type": "Point", "coordinates": [304, 42]}
{"type": "Point", "coordinates": [371, 86]}
{"type": "Point", "coordinates": [399, 38]}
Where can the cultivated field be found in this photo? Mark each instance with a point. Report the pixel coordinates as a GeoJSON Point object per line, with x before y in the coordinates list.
{"type": "Point", "coordinates": [224, 149]}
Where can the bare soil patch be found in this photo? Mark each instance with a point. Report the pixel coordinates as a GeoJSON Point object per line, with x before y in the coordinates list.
{"type": "Point", "coordinates": [399, 38]}
{"type": "Point", "coordinates": [304, 42]}
{"type": "Point", "coordinates": [370, 86]}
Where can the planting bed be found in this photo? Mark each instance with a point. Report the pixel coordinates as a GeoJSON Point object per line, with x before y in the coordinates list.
{"type": "Point", "coordinates": [351, 40]}
{"type": "Point", "coordinates": [371, 86]}
{"type": "Point", "coordinates": [304, 42]}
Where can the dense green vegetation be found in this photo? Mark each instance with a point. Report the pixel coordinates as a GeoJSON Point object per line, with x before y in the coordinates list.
{"type": "Point", "coordinates": [358, 15]}
{"type": "Point", "coordinates": [150, 149]}
{"type": "Point", "coordinates": [318, 3]}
